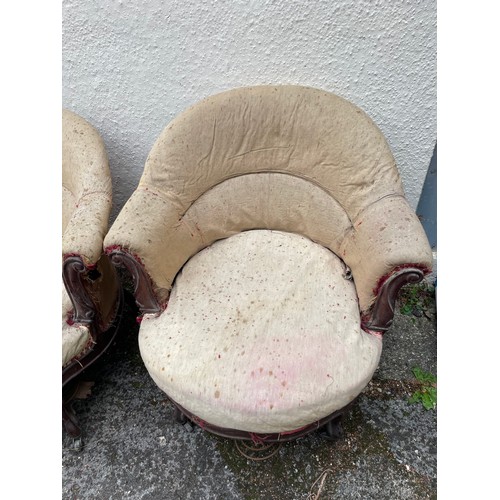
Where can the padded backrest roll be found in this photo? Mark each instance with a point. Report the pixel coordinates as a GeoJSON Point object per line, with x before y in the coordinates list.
{"type": "Point", "coordinates": [289, 158]}
{"type": "Point", "coordinates": [299, 131]}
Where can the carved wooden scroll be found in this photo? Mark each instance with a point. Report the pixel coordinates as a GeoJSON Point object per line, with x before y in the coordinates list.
{"type": "Point", "coordinates": [382, 313]}
{"type": "Point", "coordinates": [74, 272]}
{"type": "Point", "coordinates": [143, 289]}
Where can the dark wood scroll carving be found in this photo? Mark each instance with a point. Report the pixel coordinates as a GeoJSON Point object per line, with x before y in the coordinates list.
{"type": "Point", "coordinates": [382, 313]}
{"type": "Point", "coordinates": [74, 272]}
{"type": "Point", "coordinates": [70, 421]}
{"type": "Point", "coordinates": [143, 289]}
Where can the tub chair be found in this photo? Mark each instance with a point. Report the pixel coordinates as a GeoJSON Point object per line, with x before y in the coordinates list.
{"type": "Point", "coordinates": [91, 292]}
{"type": "Point", "coordinates": [267, 239]}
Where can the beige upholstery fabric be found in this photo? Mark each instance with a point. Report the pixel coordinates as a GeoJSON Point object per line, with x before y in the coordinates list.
{"type": "Point", "coordinates": [385, 235]}
{"type": "Point", "coordinates": [75, 338]}
{"type": "Point", "coordinates": [87, 191]}
{"type": "Point", "coordinates": [262, 334]}
{"type": "Point", "coordinates": [86, 205]}
{"type": "Point", "coordinates": [299, 159]}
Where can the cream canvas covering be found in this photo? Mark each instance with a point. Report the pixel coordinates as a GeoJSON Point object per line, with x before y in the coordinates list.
{"type": "Point", "coordinates": [92, 298]}
{"type": "Point", "coordinates": [250, 205]}
{"type": "Point", "coordinates": [86, 188]}
{"type": "Point", "coordinates": [75, 338]}
{"type": "Point", "coordinates": [287, 157]}
{"type": "Point", "coordinates": [86, 205]}
{"type": "Point", "coordinates": [261, 333]}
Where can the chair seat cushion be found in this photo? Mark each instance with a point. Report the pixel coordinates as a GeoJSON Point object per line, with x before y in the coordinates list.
{"type": "Point", "coordinates": [75, 338]}
{"type": "Point", "coordinates": [261, 334]}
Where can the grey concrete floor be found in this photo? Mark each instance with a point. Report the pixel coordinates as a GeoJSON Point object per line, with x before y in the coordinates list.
{"type": "Point", "coordinates": [134, 449]}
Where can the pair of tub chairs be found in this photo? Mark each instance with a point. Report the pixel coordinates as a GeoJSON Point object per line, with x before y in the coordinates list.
{"type": "Point", "coordinates": [267, 240]}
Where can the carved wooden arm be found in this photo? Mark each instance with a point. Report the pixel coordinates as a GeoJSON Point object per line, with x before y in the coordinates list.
{"type": "Point", "coordinates": [94, 291]}
{"type": "Point", "coordinates": [74, 272]}
{"type": "Point", "coordinates": [381, 315]}
{"type": "Point", "coordinates": [143, 289]}
{"type": "Point", "coordinates": [386, 249]}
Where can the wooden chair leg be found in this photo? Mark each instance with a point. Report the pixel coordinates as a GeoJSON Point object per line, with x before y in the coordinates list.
{"type": "Point", "coordinates": [70, 421]}
{"type": "Point", "coordinates": [72, 426]}
{"type": "Point", "coordinates": [333, 429]}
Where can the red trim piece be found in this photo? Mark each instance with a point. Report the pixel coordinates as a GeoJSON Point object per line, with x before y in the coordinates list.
{"type": "Point", "coordinates": [284, 433]}
{"type": "Point", "coordinates": [112, 248]}
{"type": "Point", "coordinates": [200, 422]}
{"type": "Point", "coordinates": [256, 439]}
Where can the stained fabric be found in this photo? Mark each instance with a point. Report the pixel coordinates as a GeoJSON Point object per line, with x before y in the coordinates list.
{"type": "Point", "coordinates": [87, 190]}
{"type": "Point", "coordinates": [269, 157]}
{"type": "Point", "coordinates": [75, 338]}
{"type": "Point", "coordinates": [261, 333]}
{"type": "Point", "coordinates": [86, 205]}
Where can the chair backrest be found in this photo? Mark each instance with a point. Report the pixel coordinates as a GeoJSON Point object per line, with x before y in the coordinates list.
{"type": "Point", "coordinates": [321, 140]}
{"type": "Point", "coordinates": [86, 189]}
{"type": "Point", "coordinates": [85, 167]}
{"type": "Point", "coordinates": [289, 158]}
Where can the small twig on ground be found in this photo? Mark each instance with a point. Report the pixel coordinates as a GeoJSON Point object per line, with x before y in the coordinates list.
{"type": "Point", "coordinates": [322, 477]}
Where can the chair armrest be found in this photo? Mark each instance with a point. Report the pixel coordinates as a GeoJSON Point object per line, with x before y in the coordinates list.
{"type": "Point", "coordinates": [386, 237]}
{"type": "Point", "coordinates": [94, 291]}
{"type": "Point", "coordinates": [86, 228]}
{"type": "Point", "coordinates": [90, 280]}
{"type": "Point", "coordinates": [150, 230]}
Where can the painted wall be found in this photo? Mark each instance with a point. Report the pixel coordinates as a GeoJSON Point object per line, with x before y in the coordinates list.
{"type": "Point", "coordinates": [130, 66]}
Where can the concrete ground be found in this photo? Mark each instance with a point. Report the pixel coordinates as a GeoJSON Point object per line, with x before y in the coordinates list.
{"type": "Point", "coordinates": [134, 449]}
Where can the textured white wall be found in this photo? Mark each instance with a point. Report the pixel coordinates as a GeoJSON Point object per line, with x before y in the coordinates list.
{"type": "Point", "coordinates": [129, 67]}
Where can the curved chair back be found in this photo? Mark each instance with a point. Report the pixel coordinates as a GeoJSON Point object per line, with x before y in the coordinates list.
{"type": "Point", "coordinates": [289, 158]}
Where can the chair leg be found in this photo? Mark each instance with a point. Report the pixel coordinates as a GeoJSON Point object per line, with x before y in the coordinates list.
{"type": "Point", "coordinates": [74, 390]}
{"type": "Point", "coordinates": [333, 429]}
{"type": "Point", "coordinates": [70, 421]}
{"type": "Point", "coordinates": [179, 417]}
{"type": "Point", "coordinates": [72, 426]}
{"type": "Point", "coordinates": [182, 419]}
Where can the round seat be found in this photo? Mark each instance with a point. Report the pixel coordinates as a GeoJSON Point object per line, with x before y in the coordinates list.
{"type": "Point", "coordinates": [261, 334]}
